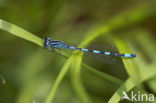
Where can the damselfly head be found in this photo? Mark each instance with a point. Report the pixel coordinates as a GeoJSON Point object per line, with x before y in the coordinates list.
{"type": "Point", "coordinates": [46, 42]}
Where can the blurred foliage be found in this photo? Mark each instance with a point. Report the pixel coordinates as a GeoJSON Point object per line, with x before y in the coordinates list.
{"type": "Point", "coordinates": [28, 73]}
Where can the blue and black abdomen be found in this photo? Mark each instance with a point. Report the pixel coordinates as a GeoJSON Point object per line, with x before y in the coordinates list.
{"type": "Point", "coordinates": [60, 44]}
{"type": "Point", "coordinates": [103, 52]}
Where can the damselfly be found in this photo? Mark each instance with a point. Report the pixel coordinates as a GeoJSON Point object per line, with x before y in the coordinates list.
{"type": "Point", "coordinates": [57, 44]}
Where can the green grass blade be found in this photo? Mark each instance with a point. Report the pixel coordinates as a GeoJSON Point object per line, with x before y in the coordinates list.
{"type": "Point", "coordinates": [129, 63]}
{"type": "Point", "coordinates": [97, 72]}
{"type": "Point", "coordinates": [129, 84]}
{"type": "Point", "coordinates": [31, 65]}
{"type": "Point", "coordinates": [59, 78]}
{"type": "Point", "coordinates": [76, 79]}
{"type": "Point", "coordinates": [104, 75]}
{"type": "Point", "coordinates": [145, 74]}
{"type": "Point", "coordinates": [17, 31]}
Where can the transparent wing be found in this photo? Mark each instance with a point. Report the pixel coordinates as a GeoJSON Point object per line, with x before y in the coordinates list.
{"type": "Point", "coordinates": [99, 57]}
{"type": "Point", "coordinates": [108, 47]}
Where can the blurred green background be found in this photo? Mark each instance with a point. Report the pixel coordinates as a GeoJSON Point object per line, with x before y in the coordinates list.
{"type": "Point", "coordinates": [28, 71]}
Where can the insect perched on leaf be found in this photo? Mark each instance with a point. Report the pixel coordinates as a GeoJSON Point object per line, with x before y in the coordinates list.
{"type": "Point", "coordinates": [57, 44]}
